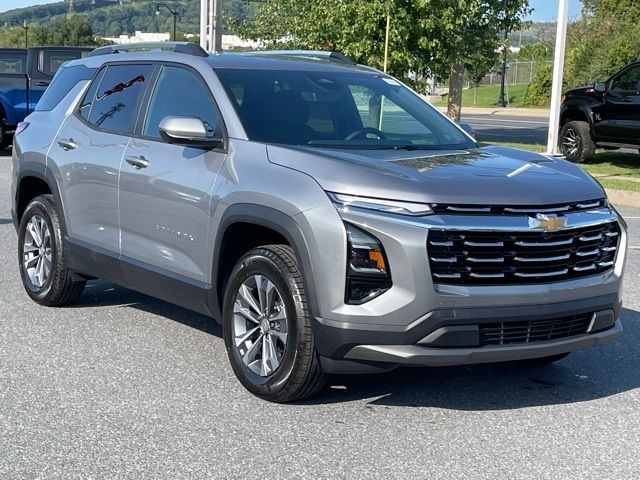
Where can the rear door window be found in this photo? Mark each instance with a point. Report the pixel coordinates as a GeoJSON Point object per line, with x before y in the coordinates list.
{"type": "Point", "coordinates": [51, 60]}
{"type": "Point", "coordinates": [118, 97]}
{"type": "Point", "coordinates": [13, 62]}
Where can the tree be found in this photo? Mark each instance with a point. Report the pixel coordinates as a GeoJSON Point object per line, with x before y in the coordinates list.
{"type": "Point", "coordinates": [449, 33]}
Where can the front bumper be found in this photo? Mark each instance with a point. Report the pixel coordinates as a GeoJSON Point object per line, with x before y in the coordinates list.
{"type": "Point", "coordinates": [440, 357]}
{"type": "Point", "coordinates": [442, 338]}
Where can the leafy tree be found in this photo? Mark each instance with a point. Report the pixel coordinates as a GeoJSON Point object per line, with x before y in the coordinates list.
{"type": "Point", "coordinates": [443, 34]}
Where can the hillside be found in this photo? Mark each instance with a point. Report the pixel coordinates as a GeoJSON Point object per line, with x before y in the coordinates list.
{"type": "Point", "coordinates": [108, 19]}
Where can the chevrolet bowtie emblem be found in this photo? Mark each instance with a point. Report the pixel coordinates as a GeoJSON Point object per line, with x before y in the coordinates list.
{"type": "Point", "coordinates": [547, 223]}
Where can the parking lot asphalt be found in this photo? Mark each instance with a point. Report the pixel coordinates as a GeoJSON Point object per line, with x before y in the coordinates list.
{"type": "Point", "coordinates": [505, 128]}
{"type": "Point", "coordinates": [125, 386]}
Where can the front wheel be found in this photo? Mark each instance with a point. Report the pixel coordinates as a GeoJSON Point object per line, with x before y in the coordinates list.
{"type": "Point", "coordinates": [267, 327]}
{"type": "Point", "coordinates": [576, 143]}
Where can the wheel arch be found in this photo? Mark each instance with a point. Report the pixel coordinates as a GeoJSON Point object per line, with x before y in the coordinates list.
{"type": "Point", "coordinates": [36, 179]}
{"type": "Point", "coordinates": [275, 227]}
{"type": "Point", "coordinates": [576, 112]}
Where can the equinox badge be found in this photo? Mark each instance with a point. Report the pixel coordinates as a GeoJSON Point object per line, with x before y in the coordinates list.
{"type": "Point", "coordinates": [547, 223]}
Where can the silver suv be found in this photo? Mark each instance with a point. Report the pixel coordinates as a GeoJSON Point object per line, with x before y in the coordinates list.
{"type": "Point", "coordinates": [330, 218]}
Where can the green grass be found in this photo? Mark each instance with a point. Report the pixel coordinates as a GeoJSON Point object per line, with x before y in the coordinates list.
{"type": "Point", "coordinates": [487, 96]}
{"type": "Point", "coordinates": [619, 171]}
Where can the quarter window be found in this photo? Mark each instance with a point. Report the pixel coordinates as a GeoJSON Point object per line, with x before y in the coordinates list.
{"type": "Point", "coordinates": [180, 93]}
{"type": "Point", "coordinates": [117, 100]}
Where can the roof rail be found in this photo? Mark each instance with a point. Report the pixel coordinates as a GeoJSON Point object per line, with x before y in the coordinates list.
{"type": "Point", "coordinates": [187, 48]}
{"type": "Point", "coordinates": [316, 54]}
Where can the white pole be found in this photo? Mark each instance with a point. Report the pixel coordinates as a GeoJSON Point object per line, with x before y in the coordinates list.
{"type": "Point", "coordinates": [210, 16]}
{"type": "Point", "coordinates": [216, 40]}
{"type": "Point", "coordinates": [204, 9]}
{"type": "Point", "coordinates": [558, 71]}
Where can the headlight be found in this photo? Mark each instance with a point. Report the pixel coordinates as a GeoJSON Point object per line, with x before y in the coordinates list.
{"type": "Point", "coordinates": [380, 205]}
{"type": "Point", "coordinates": [368, 274]}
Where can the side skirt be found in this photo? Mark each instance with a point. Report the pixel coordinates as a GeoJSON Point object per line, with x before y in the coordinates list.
{"type": "Point", "coordinates": [86, 259]}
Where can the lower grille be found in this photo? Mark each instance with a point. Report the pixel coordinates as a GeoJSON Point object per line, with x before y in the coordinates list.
{"type": "Point", "coordinates": [504, 333]}
{"type": "Point", "coordinates": [512, 258]}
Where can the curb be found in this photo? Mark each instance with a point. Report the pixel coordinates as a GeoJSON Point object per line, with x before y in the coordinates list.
{"type": "Point", "coordinates": [624, 198]}
{"type": "Point", "coordinates": [509, 112]}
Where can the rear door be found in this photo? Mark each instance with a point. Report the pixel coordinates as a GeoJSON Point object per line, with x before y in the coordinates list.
{"type": "Point", "coordinates": [619, 118]}
{"type": "Point", "coordinates": [89, 148]}
{"type": "Point", "coordinates": [164, 206]}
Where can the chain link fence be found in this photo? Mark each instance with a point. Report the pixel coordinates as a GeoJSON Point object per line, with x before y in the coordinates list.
{"type": "Point", "coordinates": [519, 71]}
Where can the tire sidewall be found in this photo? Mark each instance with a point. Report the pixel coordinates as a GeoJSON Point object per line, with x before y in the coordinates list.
{"type": "Point", "coordinates": [257, 264]}
{"type": "Point", "coordinates": [38, 207]}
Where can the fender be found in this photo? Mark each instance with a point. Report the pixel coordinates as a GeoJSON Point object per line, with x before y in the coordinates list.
{"type": "Point", "coordinates": [44, 173]}
{"type": "Point", "coordinates": [280, 223]}
{"type": "Point", "coordinates": [582, 106]}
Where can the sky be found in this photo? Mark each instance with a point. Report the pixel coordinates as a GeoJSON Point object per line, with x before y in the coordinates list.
{"type": "Point", "coordinates": [545, 10]}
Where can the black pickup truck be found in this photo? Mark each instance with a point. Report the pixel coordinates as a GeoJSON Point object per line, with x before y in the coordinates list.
{"type": "Point", "coordinates": [605, 114]}
{"type": "Point", "coordinates": [24, 76]}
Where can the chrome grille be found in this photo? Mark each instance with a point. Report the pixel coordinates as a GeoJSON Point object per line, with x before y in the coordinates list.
{"type": "Point", "coordinates": [534, 330]}
{"type": "Point", "coordinates": [498, 258]}
{"type": "Point", "coordinates": [518, 209]}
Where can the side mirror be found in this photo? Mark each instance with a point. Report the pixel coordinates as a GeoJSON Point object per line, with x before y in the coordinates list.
{"type": "Point", "coordinates": [467, 128]}
{"type": "Point", "coordinates": [600, 87]}
{"type": "Point", "coordinates": [188, 131]}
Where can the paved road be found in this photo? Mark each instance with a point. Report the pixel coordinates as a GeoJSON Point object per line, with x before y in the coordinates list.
{"type": "Point", "coordinates": [125, 386]}
{"type": "Point", "coordinates": [501, 128]}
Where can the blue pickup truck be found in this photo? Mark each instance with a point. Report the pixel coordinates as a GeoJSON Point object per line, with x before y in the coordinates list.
{"type": "Point", "coordinates": [24, 76]}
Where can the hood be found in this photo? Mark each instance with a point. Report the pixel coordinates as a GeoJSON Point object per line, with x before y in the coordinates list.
{"type": "Point", "coordinates": [485, 175]}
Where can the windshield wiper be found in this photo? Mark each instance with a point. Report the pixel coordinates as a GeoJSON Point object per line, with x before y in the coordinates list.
{"type": "Point", "coordinates": [412, 147]}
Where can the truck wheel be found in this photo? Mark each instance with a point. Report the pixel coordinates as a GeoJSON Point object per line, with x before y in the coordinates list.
{"type": "Point", "coordinates": [576, 143]}
{"type": "Point", "coordinates": [267, 327]}
{"type": "Point", "coordinates": [42, 256]}
{"type": "Point", "coordinates": [5, 138]}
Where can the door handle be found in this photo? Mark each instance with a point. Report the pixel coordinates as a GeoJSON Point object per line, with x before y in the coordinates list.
{"type": "Point", "coordinates": [137, 162]}
{"type": "Point", "coordinates": [67, 144]}
{"type": "Point", "coordinates": [41, 84]}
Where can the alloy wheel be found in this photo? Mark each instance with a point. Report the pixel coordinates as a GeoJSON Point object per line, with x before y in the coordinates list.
{"type": "Point", "coordinates": [260, 325]}
{"type": "Point", "coordinates": [37, 251]}
{"type": "Point", "coordinates": [570, 143]}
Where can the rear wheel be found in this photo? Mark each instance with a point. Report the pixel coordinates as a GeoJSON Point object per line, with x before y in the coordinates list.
{"type": "Point", "coordinates": [267, 327]}
{"type": "Point", "coordinates": [42, 256]}
{"type": "Point", "coordinates": [576, 143]}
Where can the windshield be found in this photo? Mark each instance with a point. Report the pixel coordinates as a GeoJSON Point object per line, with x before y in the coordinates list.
{"type": "Point", "coordinates": [337, 110]}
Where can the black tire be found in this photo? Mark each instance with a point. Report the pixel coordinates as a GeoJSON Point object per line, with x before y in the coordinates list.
{"type": "Point", "coordinates": [299, 374]}
{"type": "Point", "coordinates": [5, 138]}
{"type": "Point", "coordinates": [59, 288]}
{"type": "Point", "coordinates": [544, 360]}
{"type": "Point", "coordinates": [576, 143]}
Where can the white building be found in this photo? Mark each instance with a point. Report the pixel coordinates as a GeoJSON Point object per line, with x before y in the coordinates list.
{"type": "Point", "coordinates": [140, 37]}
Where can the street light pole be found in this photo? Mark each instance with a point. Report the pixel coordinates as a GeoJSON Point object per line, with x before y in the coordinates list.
{"type": "Point", "coordinates": [25, 27]}
{"type": "Point", "coordinates": [501, 99]}
{"type": "Point", "coordinates": [175, 17]}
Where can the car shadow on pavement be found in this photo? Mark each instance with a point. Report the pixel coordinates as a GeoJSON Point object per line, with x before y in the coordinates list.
{"type": "Point", "coordinates": [585, 375]}
{"type": "Point", "coordinates": [100, 294]}
{"type": "Point", "coordinates": [5, 221]}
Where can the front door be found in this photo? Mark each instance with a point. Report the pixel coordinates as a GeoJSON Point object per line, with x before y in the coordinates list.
{"type": "Point", "coordinates": [618, 120]}
{"type": "Point", "coordinates": [166, 190]}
